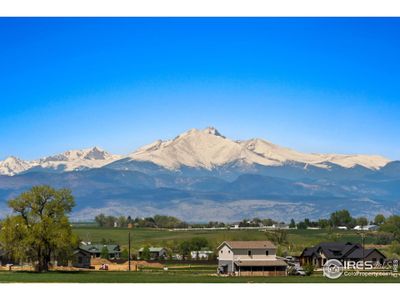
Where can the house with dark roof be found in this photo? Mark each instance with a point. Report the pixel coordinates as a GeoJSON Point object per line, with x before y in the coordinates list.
{"type": "Point", "coordinates": [250, 258]}
{"type": "Point", "coordinates": [81, 258]}
{"type": "Point", "coordinates": [156, 253]}
{"type": "Point", "coordinates": [114, 251]}
{"type": "Point", "coordinates": [319, 254]}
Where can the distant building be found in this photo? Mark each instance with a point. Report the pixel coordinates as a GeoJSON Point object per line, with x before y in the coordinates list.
{"type": "Point", "coordinates": [322, 252]}
{"type": "Point", "coordinates": [81, 258]}
{"type": "Point", "coordinates": [366, 227]}
{"type": "Point", "coordinates": [156, 253]}
{"type": "Point", "coordinates": [250, 258]}
{"type": "Point", "coordinates": [202, 254]}
{"type": "Point", "coordinates": [114, 251]}
{"type": "Point", "coordinates": [280, 226]}
{"type": "Point", "coordinates": [342, 227]}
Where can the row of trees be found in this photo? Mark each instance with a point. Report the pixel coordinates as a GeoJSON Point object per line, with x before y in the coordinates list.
{"type": "Point", "coordinates": [157, 221]}
{"type": "Point", "coordinates": [338, 218]}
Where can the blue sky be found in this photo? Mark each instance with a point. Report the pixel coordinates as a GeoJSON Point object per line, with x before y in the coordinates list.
{"type": "Point", "coordinates": [316, 85]}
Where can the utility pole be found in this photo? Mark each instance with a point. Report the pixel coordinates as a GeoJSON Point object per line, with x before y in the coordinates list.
{"type": "Point", "coordinates": [363, 256]}
{"type": "Point", "coordinates": [129, 250]}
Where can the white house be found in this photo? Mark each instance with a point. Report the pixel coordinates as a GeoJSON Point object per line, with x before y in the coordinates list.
{"type": "Point", "coordinates": [202, 254]}
{"type": "Point", "coordinates": [250, 258]}
{"type": "Point", "coordinates": [367, 227]}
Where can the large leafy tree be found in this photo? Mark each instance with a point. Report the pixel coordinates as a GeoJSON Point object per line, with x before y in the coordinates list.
{"type": "Point", "coordinates": [392, 226]}
{"type": "Point", "coordinates": [342, 218]}
{"type": "Point", "coordinates": [39, 229]}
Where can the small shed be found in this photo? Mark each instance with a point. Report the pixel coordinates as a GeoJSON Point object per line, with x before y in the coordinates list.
{"type": "Point", "coordinates": [81, 259]}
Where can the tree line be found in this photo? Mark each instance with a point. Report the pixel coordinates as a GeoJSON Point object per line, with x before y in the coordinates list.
{"type": "Point", "coordinates": [157, 221]}
{"type": "Point", "coordinates": [337, 219]}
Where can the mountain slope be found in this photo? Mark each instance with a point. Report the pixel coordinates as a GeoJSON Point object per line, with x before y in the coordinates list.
{"type": "Point", "coordinates": [208, 149]}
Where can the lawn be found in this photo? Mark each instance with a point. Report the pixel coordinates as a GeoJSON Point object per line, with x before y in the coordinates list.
{"type": "Point", "coordinates": [168, 277]}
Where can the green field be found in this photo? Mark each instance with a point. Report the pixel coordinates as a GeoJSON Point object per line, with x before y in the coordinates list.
{"type": "Point", "coordinates": [169, 277]}
{"type": "Point", "coordinates": [298, 239]}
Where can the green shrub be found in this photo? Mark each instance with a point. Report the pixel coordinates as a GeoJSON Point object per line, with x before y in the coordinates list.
{"type": "Point", "coordinates": [309, 269]}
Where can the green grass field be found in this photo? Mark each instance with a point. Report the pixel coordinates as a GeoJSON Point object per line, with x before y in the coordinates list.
{"type": "Point", "coordinates": [169, 277]}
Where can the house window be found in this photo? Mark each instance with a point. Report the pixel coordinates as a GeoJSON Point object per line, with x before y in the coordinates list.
{"type": "Point", "coordinates": [229, 251]}
{"type": "Point", "coordinates": [222, 251]}
{"type": "Point", "coordinates": [267, 253]}
{"type": "Point", "coordinates": [249, 253]}
{"type": "Point", "coordinates": [80, 259]}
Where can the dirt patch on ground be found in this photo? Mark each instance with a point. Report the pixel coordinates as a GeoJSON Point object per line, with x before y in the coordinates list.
{"type": "Point", "coordinates": [113, 266]}
{"type": "Point", "coordinates": [96, 263]}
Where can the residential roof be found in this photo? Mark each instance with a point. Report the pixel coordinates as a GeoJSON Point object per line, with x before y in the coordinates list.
{"type": "Point", "coordinates": [337, 250]}
{"type": "Point", "coordinates": [359, 253]}
{"type": "Point", "coordinates": [97, 248]}
{"type": "Point", "coordinates": [153, 249]}
{"type": "Point", "coordinates": [260, 263]}
{"type": "Point", "coordinates": [249, 244]}
{"type": "Point", "coordinates": [80, 250]}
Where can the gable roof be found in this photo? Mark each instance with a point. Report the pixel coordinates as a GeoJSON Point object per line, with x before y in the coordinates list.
{"type": "Point", "coordinates": [153, 249]}
{"type": "Point", "coordinates": [338, 251]}
{"type": "Point", "coordinates": [97, 248]}
{"type": "Point", "coordinates": [359, 253]}
{"type": "Point", "coordinates": [82, 251]}
{"type": "Point", "coordinates": [248, 245]}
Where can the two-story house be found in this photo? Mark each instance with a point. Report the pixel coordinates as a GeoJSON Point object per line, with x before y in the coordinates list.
{"type": "Point", "coordinates": [250, 258]}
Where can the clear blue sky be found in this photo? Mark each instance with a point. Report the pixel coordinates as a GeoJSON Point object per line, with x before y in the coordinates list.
{"type": "Point", "coordinates": [316, 85]}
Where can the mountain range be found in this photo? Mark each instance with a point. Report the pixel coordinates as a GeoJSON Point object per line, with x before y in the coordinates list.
{"type": "Point", "coordinates": [202, 175]}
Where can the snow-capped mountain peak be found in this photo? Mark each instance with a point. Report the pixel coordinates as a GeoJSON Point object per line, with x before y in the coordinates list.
{"type": "Point", "coordinates": [13, 165]}
{"type": "Point", "coordinates": [213, 131]}
{"type": "Point", "coordinates": [94, 153]}
{"type": "Point", "coordinates": [193, 148]}
{"type": "Point", "coordinates": [208, 148]}
{"type": "Point", "coordinates": [71, 160]}
{"type": "Point", "coordinates": [204, 149]}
